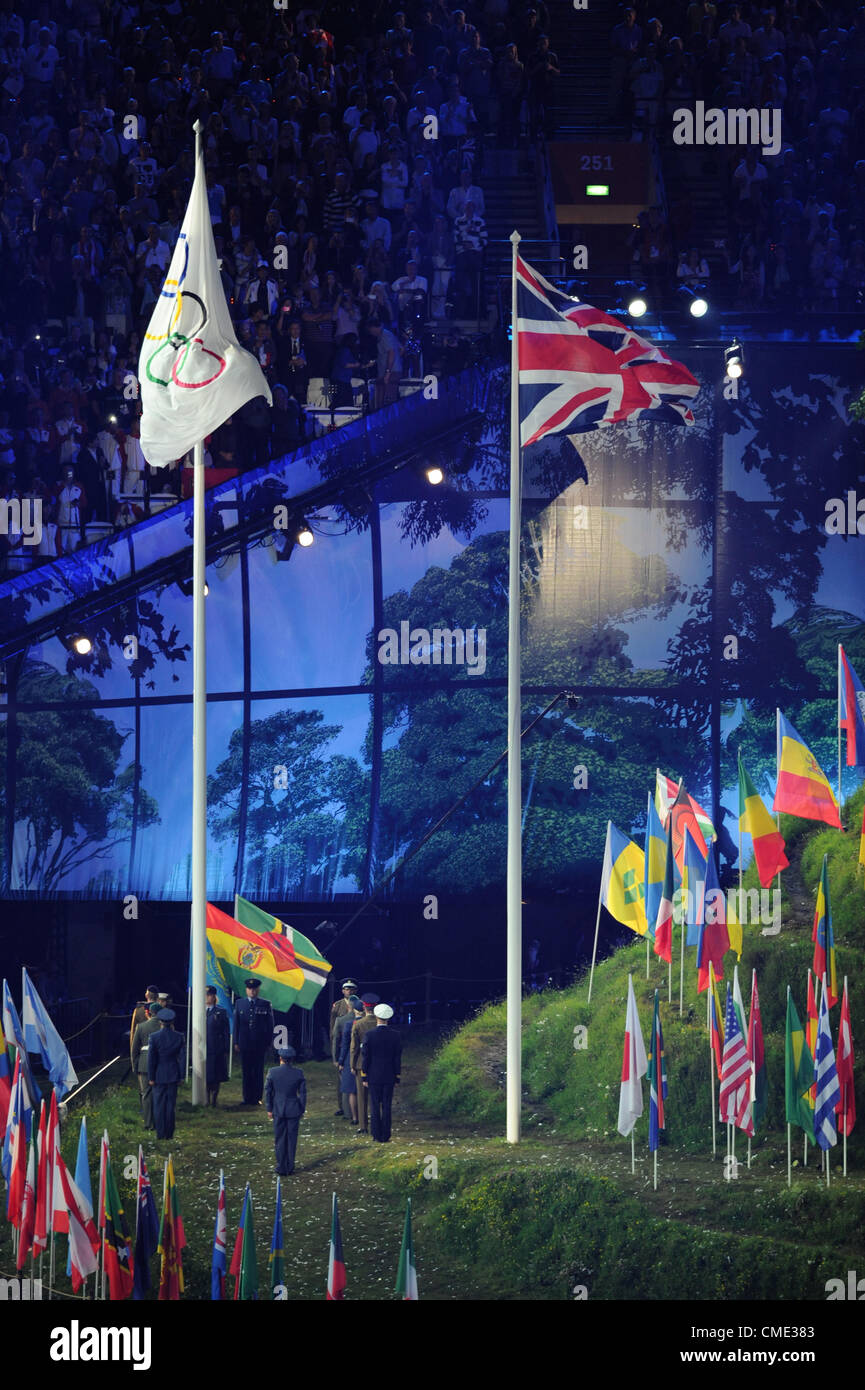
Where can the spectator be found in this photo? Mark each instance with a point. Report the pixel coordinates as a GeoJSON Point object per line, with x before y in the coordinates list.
{"type": "Point", "coordinates": [388, 362]}
{"type": "Point", "coordinates": [470, 239]}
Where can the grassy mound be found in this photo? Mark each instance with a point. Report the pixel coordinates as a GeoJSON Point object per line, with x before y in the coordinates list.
{"type": "Point", "coordinates": [580, 1088]}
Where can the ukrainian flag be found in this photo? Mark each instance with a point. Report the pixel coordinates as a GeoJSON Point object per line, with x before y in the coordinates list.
{"type": "Point", "coordinates": [655, 857]}
{"type": "Point", "coordinates": [623, 891]}
{"type": "Point", "coordinates": [803, 788]}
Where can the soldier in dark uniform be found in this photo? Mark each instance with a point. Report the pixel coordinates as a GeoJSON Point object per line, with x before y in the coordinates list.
{"type": "Point", "coordinates": [358, 1033]}
{"type": "Point", "coordinates": [165, 1062]}
{"type": "Point", "coordinates": [338, 1011]}
{"type": "Point", "coordinates": [347, 1078]}
{"type": "Point", "coordinates": [381, 1055]}
{"type": "Point", "coordinates": [141, 1057]}
{"type": "Point", "coordinates": [218, 1043]}
{"type": "Point", "coordinates": [139, 1014]}
{"type": "Point", "coordinates": [285, 1098]}
{"type": "Point", "coordinates": [253, 1035]}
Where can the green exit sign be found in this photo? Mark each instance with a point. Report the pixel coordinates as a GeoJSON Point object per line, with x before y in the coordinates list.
{"type": "Point", "coordinates": [597, 190]}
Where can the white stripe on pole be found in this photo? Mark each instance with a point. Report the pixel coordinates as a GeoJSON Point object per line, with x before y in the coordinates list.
{"type": "Point", "coordinates": [515, 799]}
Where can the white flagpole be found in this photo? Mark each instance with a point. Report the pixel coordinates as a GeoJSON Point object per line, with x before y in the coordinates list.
{"type": "Point", "coordinates": [709, 997]}
{"type": "Point", "coordinates": [598, 920]}
{"type": "Point", "coordinates": [138, 1191]}
{"type": "Point", "coordinates": [633, 1160]}
{"type": "Point", "coordinates": [844, 1099]}
{"type": "Point", "coordinates": [647, 955]}
{"type": "Point", "coordinates": [777, 777]}
{"type": "Point", "coordinates": [655, 1171]}
{"type": "Point", "coordinates": [683, 929]}
{"type": "Point", "coordinates": [199, 763]}
{"type": "Point", "coordinates": [515, 799]}
{"type": "Point", "coordinates": [839, 728]}
{"type": "Point", "coordinates": [188, 1025]}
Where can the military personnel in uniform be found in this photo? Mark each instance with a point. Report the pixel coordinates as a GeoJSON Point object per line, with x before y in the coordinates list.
{"type": "Point", "coordinates": [139, 1015]}
{"type": "Point", "coordinates": [285, 1098]}
{"type": "Point", "coordinates": [347, 1078]}
{"type": "Point", "coordinates": [253, 1036]}
{"type": "Point", "coordinates": [218, 1043]}
{"type": "Point", "coordinates": [381, 1055]}
{"type": "Point", "coordinates": [165, 1062]}
{"type": "Point", "coordinates": [358, 1033]}
{"type": "Point", "coordinates": [338, 1011]}
{"type": "Point", "coordinates": [140, 1058]}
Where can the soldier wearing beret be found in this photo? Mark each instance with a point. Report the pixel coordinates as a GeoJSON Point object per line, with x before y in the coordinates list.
{"type": "Point", "coordinates": [339, 1011]}
{"type": "Point", "coordinates": [165, 1063]}
{"type": "Point", "coordinates": [253, 1036]}
{"type": "Point", "coordinates": [359, 1031]}
{"type": "Point", "coordinates": [141, 1057]}
{"type": "Point", "coordinates": [285, 1098]}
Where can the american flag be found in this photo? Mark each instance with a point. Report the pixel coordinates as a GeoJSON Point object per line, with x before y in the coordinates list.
{"type": "Point", "coordinates": [734, 1100]}
{"type": "Point", "coordinates": [580, 369]}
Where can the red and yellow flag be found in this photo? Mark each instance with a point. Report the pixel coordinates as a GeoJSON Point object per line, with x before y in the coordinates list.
{"type": "Point", "coordinates": [171, 1239]}
{"type": "Point", "coordinates": [242, 952]}
{"type": "Point", "coordinates": [803, 788]}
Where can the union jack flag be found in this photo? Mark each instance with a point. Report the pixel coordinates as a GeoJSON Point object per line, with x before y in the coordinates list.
{"type": "Point", "coordinates": [580, 369]}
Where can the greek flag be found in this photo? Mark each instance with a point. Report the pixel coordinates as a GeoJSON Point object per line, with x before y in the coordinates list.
{"type": "Point", "coordinates": [828, 1088]}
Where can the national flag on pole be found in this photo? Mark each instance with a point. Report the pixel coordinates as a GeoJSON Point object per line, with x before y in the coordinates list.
{"type": "Point", "coordinates": [241, 951]}
{"type": "Point", "coordinates": [15, 1152]}
{"type": "Point", "coordinates": [622, 881]}
{"type": "Point", "coordinates": [739, 1003]}
{"type": "Point", "coordinates": [683, 820]}
{"type": "Point", "coordinates": [664, 924]}
{"type": "Point", "coordinates": [811, 1034]}
{"type": "Point", "coordinates": [146, 1230]}
{"type": "Point", "coordinates": [44, 1179]}
{"type": "Point", "coordinates": [851, 710]}
{"type": "Point", "coordinates": [694, 883]}
{"type": "Point", "coordinates": [5, 1079]}
{"type": "Point", "coordinates": [634, 1067]}
{"type": "Point", "coordinates": [823, 936]}
{"type": "Point", "coordinates": [83, 1235]}
{"type": "Point", "coordinates": [172, 1238]}
{"type": "Point", "coordinates": [220, 1239]}
{"type": "Point", "coordinates": [828, 1089]}
{"type": "Point", "coordinates": [42, 1037]}
{"type": "Point", "coordinates": [862, 840]}
{"type": "Point", "coordinates": [846, 1107]}
{"type": "Point", "coordinates": [119, 1260]}
{"type": "Point", "coordinates": [580, 369]}
{"type": "Point", "coordinates": [803, 787]}
{"type": "Point", "coordinates": [103, 1164]}
{"type": "Point", "coordinates": [766, 838]}
{"type": "Point", "coordinates": [798, 1073]}
{"type": "Point", "coordinates": [406, 1274]}
{"type": "Point", "coordinates": [15, 1035]}
{"type": "Point", "coordinates": [714, 940]}
{"type": "Point", "coordinates": [666, 792]}
{"type": "Point", "coordinates": [757, 1056]}
{"type": "Point", "coordinates": [213, 977]}
{"type": "Point", "coordinates": [335, 1263]}
{"type": "Point", "coordinates": [248, 1280]}
{"type": "Point", "coordinates": [276, 1259]}
{"type": "Point", "coordinates": [654, 858]}
{"type": "Point", "coordinates": [312, 963]}
{"type": "Point", "coordinates": [192, 371]}
{"type": "Point", "coordinates": [27, 1223]}
{"type": "Point", "coordinates": [716, 1021]}
{"type": "Point", "coordinates": [234, 1268]}
{"type": "Point", "coordinates": [82, 1183]}
{"type": "Point", "coordinates": [657, 1073]}
{"type": "Point", "coordinates": [734, 1097]}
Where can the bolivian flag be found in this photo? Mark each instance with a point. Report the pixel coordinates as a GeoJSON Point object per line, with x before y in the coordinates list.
{"type": "Point", "coordinates": [824, 939]}
{"type": "Point", "coordinates": [803, 788]}
{"type": "Point", "coordinates": [313, 964]}
{"type": "Point", "coordinates": [623, 881]}
{"type": "Point", "coordinates": [243, 952]}
{"type": "Point", "coordinates": [754, 820]}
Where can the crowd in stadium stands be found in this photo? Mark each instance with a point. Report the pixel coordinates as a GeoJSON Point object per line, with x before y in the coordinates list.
{"type": "Point", "coordinates": [345, 180]}
{"type": "Point", "coordinates": [796, 219]}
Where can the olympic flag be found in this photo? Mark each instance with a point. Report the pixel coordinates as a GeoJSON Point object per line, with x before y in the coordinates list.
{"type": "Point", "coordinates": [193, 373]}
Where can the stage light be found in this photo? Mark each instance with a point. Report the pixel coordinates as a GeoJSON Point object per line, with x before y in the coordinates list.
{"type": "Point", "coordinates": [734, 361]}
{"type": "Point", "coordinates": [637, 306]}
{"type": "Point", "coordinates": [698, 307]}
{"type": "Point", "coordinates": [77, 642]}
{"type": "Point", "coordinates": [435, 475]}
{"type": "Point", "coordinates": [304, 535]}
{"type": "Point", "coordinates": [694, 300]}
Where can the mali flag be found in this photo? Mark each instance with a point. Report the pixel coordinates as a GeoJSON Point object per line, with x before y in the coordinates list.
{"type": "Point", "coordinates": [243, 952]}
{"type": "Point", "coordinates": [623, 881]}
{"type": "Point", "coordinates": [171, 1239]}
{"type": "Point", "coordinates": [313, 964]}
{"type": "Point", "coordinates": [798, 1073]}
{"type": "Point", "coordinates": [754, 820]}
{"type": "Point", "coordinates": [654, 858]}
{"type": "Point", "coordinates": [118, 1257]}
{"type": "Point", "coordinates": [803, 788]}
{"type": "Point", "coordinates": [823, 938]}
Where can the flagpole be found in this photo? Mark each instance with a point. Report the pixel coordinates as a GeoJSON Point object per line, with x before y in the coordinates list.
{"type": "Point", "coordinates": [682, 964]}
{"type": "Point", "coordinates": [777, 776]}
{"type": "Point", "coordinates": [844, 1096]}
{"type": "Point", "coordinates": [199, 761]}
{"type": "Point", "coordinates": [633, 1159]}
{"type": "Point", "coordinates": [138, 1193]}
{"type": "Point", "coordinates": [839, 730]}
{"type": "Point", "coordinates": [188, 1027]}
{"type": "Point", "coordinates": [655, 1171]}
{"type": "Point", "coordinates": [514, 851]}
{"type": "Point", "coordinates": [709, 998]}
{"type": "Point", "coordinates": [597, 927]}
{"type": "Point", "coordinates": [647, 955]}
